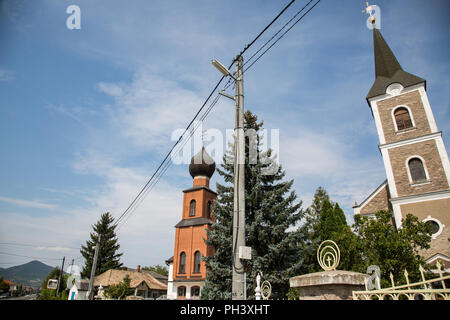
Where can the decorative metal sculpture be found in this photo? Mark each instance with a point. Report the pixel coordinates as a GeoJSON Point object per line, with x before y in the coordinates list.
{"type": "Point", "coordinates": [328, 255]}
{"type": "Point", "coordinates": [264, 290]}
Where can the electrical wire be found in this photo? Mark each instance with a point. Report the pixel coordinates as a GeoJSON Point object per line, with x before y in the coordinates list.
{"type": "Point", "coordinates": [133, 203]}
{"type": "Point", "coordinates": [276, 33]}
{"type": "Point", "coordinates": [284, 33]}
{"type": "Point", "coordinates": [267, 27]}
{"type": "Point", "coordinates": [161, 169]}
{"type": "Point", "coordinates": [19, 255]}
{"type": "Point", "coordinates": [35, 245]}
{"type": "Point", "coordinates": [168, 163]}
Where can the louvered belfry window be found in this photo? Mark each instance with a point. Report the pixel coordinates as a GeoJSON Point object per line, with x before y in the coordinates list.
{"type": "Point", "coordinates": [402, 118]}
{"type": "Point", "coordinates": [417, 170]}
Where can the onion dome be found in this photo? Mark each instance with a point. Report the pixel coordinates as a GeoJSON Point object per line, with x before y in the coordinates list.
{"type": "Point", "coordinates": [202, 165]}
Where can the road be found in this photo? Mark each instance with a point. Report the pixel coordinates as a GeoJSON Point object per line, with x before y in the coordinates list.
{"type": "Point", "coordinates": [27, 297]}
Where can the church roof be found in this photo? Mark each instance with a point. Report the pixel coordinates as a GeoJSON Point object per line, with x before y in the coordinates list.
{"type": "Point", "coordinates": [193, 222]}
{"type": "Point", "coordinates": [387, 68]}
{"type": "Point", "coordinates": [202, 165]}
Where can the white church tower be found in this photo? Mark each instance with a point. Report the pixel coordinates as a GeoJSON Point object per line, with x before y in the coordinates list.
{"type": "Point", "coordinates": [414, 155]}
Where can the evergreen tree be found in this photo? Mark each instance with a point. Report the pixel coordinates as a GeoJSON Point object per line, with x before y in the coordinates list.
{"type": "Point", "coordinates": [271, 212]}
{"type": "Point", "coordinates": [108, 258]}
{"type": "Point", "coordinates": [326, 221]}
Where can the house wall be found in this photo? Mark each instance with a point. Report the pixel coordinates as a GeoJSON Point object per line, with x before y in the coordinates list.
{"type": "Point", "coordinates": [171, 291]}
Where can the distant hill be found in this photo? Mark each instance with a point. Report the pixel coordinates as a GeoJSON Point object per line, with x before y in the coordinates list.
{"type": "Point", "coordinates": [29, 274]}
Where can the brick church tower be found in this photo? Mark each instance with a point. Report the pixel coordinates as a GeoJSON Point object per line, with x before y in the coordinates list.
{"type": "Point", "coordinates": [187, 271]}
{"type": "Point", "coordinates": [414, 155]}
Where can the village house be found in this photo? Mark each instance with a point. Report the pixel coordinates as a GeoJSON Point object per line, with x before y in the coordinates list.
{"type": "Point", "coordinates": [145, 285]}
{"type": "Point", "coordinates": [79, 290]}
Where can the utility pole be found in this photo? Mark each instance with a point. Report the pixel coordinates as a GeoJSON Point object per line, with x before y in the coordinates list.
{"type": "Point", "coordinates": [94, 266]}
{"type": "Point", "coordinates": [239, 186]}
{"type": "Point", "coordinates": [60, 276]}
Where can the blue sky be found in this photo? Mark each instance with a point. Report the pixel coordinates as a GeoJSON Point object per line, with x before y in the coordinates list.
{"type": "Point", "coordinates": [87, 115]}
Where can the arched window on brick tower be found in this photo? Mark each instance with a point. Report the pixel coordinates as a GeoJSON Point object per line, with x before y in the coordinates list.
{"type": "Point", "coordinates": [417, 170]}
{"type": "Point", "coordinates": [402, 118]}
{"type": "Point", "coordinates": [208, 209]}
{"type": "Point", "coordinates": [182, 262]}
{"type": "Point", "coordinates": [192, 208]}
{"type": "Point", "coordinates": [197, 262]}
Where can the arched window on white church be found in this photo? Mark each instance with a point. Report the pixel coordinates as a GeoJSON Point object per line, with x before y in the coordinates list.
{"type": "Point", "coordinates": [403, 118]}
{"type": "Point", "coordinates": [417, 170]}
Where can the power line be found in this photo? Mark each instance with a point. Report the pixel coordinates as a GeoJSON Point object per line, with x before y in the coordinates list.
{"type": "Point", "coordinates": [164, 165]}
{"type": "Point", "coordinates": [267, 27]}
{"type": "Point", "coordinates": [167, 164]}
{"type": "Point", "coordinates": [276, 33]}
{"type": "Point", "coordinates": [133, 203]}
{"type": "Point", "coordinates": [19, 255]}
{"type": "Point", "coordinates": [284, 33]}
{"type": "Point", "coordinates": [36, 246]}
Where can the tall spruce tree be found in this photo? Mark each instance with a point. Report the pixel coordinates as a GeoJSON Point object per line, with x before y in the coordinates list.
{"type": "Point", "coordinates": [108, 258]}
{"type": "Point", "coordinates": [271, 213]}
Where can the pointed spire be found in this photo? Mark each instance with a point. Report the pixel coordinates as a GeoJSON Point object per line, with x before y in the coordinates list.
{"type": "Point", "coordinates": [386, 64]}
{"type": "Point", "coordinates": [387, 68]}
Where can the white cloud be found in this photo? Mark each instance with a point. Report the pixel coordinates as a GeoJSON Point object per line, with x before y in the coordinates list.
{"type": "Point", "coordinates": [311, 153]}
{"type": "Point", "coordinates": [150, 108]}
{"type": "Point", "coordinates": [327, 159]}
{"type": "Point", "coordinates": [111, 89]}
{"type": "Point", "coordinates": [28, 204]}
{"type": "Point", "coordinates": [6, 75]}
{"type": "Point", "coordinates": [56, 249]}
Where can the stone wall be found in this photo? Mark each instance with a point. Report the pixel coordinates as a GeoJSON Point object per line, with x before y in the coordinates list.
{"type": "Point", "coordinates": [379, 202]}
{"type": "Point", "coordinates": [414, 102]}
{"type": "Point", "coordinates": [433, 164]}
